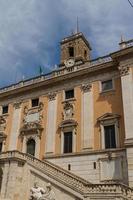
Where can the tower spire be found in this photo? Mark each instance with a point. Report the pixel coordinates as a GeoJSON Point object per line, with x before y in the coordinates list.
{"type": "Point", "coordinates": [77, 28]}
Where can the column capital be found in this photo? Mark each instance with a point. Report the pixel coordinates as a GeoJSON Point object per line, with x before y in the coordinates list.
{"type": "Point", "coordinates": [17, 105]}
{"type": "Point", "coordinates": [86, 87]}
{"type": "Point", "coordinates": [52, 96]}
{"type": "Point", "coordinates": [124, 70]}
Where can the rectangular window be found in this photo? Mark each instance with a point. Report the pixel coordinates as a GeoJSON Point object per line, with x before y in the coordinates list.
{"type": "Point", "coordinates": [68, 142]}
{"type": "Point", "coordinates": [109, 132]}
{"type": "Point", "coordinates": [35, 102]}
{"type": "Point", "coordinates": [107, 85]}
{"type": "Point", "coordinates": [5, 109]}
{"type": "Point", "coordinates": [0, 146]}
{"type": "Point", "coordinates": [71, 51]}
{"type": "Point", "coordinates": [69, 94]}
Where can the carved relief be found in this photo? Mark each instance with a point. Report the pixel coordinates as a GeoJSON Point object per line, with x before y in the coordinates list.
{"type": "Point", "coordinates": [2, 123]}
{"type": "Point", "coordinates": [124, 70]}
{"type": "Point", "coordinates": [17, 105]}
{"type": "Point", "coordinates": [86, 87]}
{"type": "Point", "coordinates": [32, 120]}
{"type": "Point", "coordinates": [51, 96]}
{"type": "Point", "coordinates": [38, 193]}
{"type": "Point", "coordinates": [68, 111]}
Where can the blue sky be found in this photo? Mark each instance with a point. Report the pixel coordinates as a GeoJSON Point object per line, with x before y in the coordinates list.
{"type": "Point", "coordinates": [30, 32]}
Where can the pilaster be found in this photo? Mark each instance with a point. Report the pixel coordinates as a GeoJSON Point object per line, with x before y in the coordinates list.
{"type": "Point", "coordinates": [51, 124]}
{"type": "Point", "coordinates": [15, 126]}
{"type": "Point", "coordinates": [87, 116]}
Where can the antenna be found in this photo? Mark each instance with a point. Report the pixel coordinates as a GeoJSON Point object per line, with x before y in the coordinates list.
{"type": "Point", "coordinates": [122, 38]}
{"type": "Point", "coordinates": [77, 25]}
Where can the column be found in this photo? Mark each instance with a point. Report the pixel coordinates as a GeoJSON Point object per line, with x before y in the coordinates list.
{"type": "Point", "coordinates": [15, 126]}
{"type": "Point", "coordinates": [87, 117]}
{"type": "Point", "coordinates": [51, 124]}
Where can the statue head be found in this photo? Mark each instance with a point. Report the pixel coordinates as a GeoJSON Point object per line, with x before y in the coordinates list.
{"type": "Point", "coordinates": [48, 186]}
{"type": "Point", "coordinates": [36, 184]}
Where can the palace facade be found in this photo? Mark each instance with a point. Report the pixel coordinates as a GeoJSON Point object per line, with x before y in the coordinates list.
{"type": "Point", "coordinates": [72, 128]}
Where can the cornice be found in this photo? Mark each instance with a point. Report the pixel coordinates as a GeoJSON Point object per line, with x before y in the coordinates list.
{"type": "Point", "coordinates": [117, 54]}
{"type": "Point", "coordinates": [82, 70]}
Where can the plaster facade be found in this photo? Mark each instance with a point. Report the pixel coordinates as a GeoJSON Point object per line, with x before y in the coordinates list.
{"type": "Point", "coordinates": [75, 121]}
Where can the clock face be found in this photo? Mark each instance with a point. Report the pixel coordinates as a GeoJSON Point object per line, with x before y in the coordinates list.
{"type": "Point", "coordinates": [69, 63]}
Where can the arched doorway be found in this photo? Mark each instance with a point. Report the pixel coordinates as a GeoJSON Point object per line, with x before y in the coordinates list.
{"type": "Point", "coordinates": [31, 144]}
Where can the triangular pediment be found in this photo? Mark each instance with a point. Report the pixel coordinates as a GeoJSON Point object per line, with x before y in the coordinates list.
{"type": "Point", "coordinates": [68, 122]}
{"type": "Point", "coordinates": [108, 116]}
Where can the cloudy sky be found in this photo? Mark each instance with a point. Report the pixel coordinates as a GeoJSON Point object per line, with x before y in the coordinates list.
{"type": "Point", "coordinates": [30, 32]}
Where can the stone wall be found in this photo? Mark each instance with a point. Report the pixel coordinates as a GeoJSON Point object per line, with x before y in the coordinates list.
{"type": "Point", "coordinates": [96, 167]}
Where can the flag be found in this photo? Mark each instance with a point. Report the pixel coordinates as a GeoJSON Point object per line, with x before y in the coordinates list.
{"type": "Point", "coordinates": [40, 70]}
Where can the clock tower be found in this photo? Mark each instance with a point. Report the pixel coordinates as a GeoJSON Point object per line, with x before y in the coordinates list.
{"type": "Point", "coordinates": [75, 48]}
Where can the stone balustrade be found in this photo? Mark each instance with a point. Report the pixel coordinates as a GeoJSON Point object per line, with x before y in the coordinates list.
{"type": "Point", "coordinates": [74, 182]}
{"type": "Point", "coordinates": [50, 169]}
{"type": "Point", "coordinates": [56, 73]}
{"type": "Point", "coordinates": [126, 44]}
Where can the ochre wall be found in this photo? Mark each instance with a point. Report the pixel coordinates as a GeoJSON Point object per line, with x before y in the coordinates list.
{"type": "Point", "coordinates": [107, 102]}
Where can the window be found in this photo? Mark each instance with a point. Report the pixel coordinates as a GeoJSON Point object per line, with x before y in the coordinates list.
{"type": "Point", "coordinates": [69, 94]}
{"type": "Point", "coordinates": [35, 102]}
{"type": "Point", "coordinates": [69, 167]}
{"type": "Point", "coordinates": [109, 133]}
{"type": "Point", "coordinates": [0, 147]}
{"type": "Point", "coordinates": [71, 51]}
{"type": "Point", "coordinates": [85, 54]}
{"type": "Point", "coordinates": [107, 85]}
{"type": "Point", "coordinates": [68, 142]}
{"type": "Point", "coordinates": [5, 109]}
{"type": "Point", "coordinates": [31, 147]}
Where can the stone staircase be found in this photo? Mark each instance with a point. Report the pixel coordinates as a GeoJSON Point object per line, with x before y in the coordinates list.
{"type": "Point", "coordinates": [70, 180]}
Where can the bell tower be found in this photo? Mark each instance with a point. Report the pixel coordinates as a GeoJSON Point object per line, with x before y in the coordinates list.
{"type": "Point", "coordinates": [75, 47]}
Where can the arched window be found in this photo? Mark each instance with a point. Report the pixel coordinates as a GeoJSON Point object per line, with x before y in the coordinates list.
{"type": "Point", "coordinates": [1, 176]}
{"type": "Point", "coordinates": [31, 147]}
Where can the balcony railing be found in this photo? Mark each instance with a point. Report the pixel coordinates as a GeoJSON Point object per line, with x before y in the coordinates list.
{"type": "Point", "coordinates": [56, 73]}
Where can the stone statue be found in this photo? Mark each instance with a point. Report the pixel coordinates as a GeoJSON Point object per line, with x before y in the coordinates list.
{"type": "Point", "coordinates": [38, 193]}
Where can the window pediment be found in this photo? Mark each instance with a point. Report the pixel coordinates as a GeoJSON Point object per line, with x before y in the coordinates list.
{"type": "Point", "coordinates": [108, 117]}
{"type": "Point", "coordinates": [30, 129]}
{"type": "Point", "coordinates": [68, 123]}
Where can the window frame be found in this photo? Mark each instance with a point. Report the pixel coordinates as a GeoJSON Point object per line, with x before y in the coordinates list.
{"type": "Point", "coordinates": [66, 151]}
{"type": "Point", "coordinates": [4, 106]}
{"type": "Point", "coordinates": [71, 51]}
{"type": "Point", "coordinates": [70, 89]}
{"type": "Point", "coordinates": [32, 102]}
{"type": "Point", "coordinates": [109, 123]}
{"type": "Point", "coordinates": [110, 146]}
{"type": "Point", "coordinates": [107, 90]}
{"type": "Point", "coordinates": [65, 130]}
{"type": "Point", "coordinates": [31, 139]}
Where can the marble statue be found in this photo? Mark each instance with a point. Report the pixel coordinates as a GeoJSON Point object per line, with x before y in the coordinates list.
{"type": "Point", "coordinates": [38, 193]}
